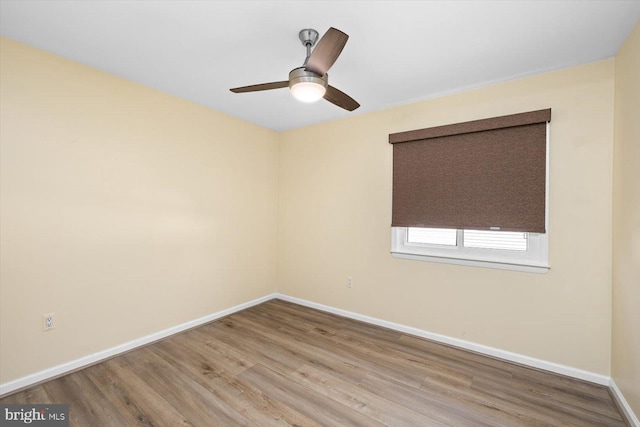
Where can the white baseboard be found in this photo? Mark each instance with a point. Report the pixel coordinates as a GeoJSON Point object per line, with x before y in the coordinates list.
{"type": "Point", "coordinates": [82, 362]}
{"type": "Point", "coordinates": [626, 408]}
{"type": "Point", "coordinates": [456, 342]}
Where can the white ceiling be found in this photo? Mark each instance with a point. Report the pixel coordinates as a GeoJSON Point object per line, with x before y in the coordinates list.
{"type": "Point", "coordinates": [398, 52]}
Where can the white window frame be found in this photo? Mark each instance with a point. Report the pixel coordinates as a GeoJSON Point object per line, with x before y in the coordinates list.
{"type": "Point", "coordinates": [534, 260]}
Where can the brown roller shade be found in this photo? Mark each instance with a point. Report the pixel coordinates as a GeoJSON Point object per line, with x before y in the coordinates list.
{"type": "Point", "coordinates": [483, 175]}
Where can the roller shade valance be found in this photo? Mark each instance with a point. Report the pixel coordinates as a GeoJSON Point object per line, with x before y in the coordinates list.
{"type": "Point", "coordinates": [485, 174]}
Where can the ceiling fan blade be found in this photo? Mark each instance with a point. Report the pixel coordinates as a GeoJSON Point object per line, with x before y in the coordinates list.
{"type": "Point", "coordinates": [340, 99]}
{"type": "Point", "coordinates": [261, 86]}
{"type": "Point", "coordinates": [326, 51]}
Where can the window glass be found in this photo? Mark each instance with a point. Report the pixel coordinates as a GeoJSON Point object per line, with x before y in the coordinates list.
{"type": "Point", "coordinates": [433, 236]}
{"type": "Point", "coordinates": [505, 240]}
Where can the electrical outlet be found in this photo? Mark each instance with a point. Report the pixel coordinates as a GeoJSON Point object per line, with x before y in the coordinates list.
{"type": "Point", "coordinates": [48, 321]}
{"type": "Point", "coordinates": [349, 282]}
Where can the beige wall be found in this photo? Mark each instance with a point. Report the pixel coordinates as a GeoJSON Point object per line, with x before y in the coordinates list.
{"type": "Point", "coordinates": [124, 210]}
{"type": "Point", "coordinates": [335, 215]}
{"type": "Point", "coordinates": [625, 364]}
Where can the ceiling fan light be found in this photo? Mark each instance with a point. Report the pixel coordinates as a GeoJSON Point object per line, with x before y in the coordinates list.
{"type": "Point", "coordinates": [307, 86]}
{"type": "Point", "coordinates": [308, 91]}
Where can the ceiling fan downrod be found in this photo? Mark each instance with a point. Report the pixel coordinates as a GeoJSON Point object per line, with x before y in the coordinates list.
{"type": "Point", "coordinates": [308, 37]}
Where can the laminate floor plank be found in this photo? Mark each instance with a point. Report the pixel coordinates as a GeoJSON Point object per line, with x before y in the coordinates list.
{"type": "Point", "coordinates": [135, 411]}
{"type": "Point", "coordinates": [501, 412]}
{"type": "Point", "coordinates": [309, 351]}
{"type": "Point", "coordinates": [261, 347]}
{"type": "Point", "coordinates": [226, 360]}
{"type": "Point", "coordinates": [260, 407]}
{"type": "Point", "coordinates": [365, 358]}
{"type": "Point", "coordinates": [362, 400]}
{"type": "Point", "coordinates": [316, 406]}
{"type": "Point", "coordinates": [564, 413]}
{"type": "Point", "coordinates": [445, 409]}
{"type": "Point", "coordinates": [153, 409]}
{"type": "Point", "coordinates": [586, 402]}
{"type": "Point", "coordinates": [194, 401]}
{"type": "Point", "coordinates": [423, 364]}
{"type": "Point", "coordinates": [320, 318]}
{"type": "Point", "coordinates": [444, 357]}
{"type": "Point", "coordinates": [35, 395]}
{"type": "Point", "coordinates": [562, 384]}
{"type": "Point", "coordinates": [436, 355]}
{"type": "Point", "coordinates": [86, 402]}
{"type": "Point", "coordinates": [282, 364]}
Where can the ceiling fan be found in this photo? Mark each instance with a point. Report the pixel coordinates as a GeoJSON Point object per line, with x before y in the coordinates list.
{"type": "Point", "coordinates": [310, 82]}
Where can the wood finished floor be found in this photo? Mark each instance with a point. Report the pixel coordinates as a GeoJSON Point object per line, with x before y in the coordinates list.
{"type": "Point", "coordinates": [282, 364]}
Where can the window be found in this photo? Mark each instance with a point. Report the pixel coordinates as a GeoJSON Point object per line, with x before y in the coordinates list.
{"type": "Point", "coordinates": [506, 240]}
{"type": "Point", "coordinates": [496, 249]}
{"type": "Point", "coordinates": [474, 193]}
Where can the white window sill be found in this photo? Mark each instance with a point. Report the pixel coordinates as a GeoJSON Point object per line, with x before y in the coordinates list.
{"type": "Point", "coordinates": [528, 268]}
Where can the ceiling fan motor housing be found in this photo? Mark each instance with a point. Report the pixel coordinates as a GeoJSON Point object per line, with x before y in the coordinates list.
{"type": "Point", "coordinates": [300, 75]}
